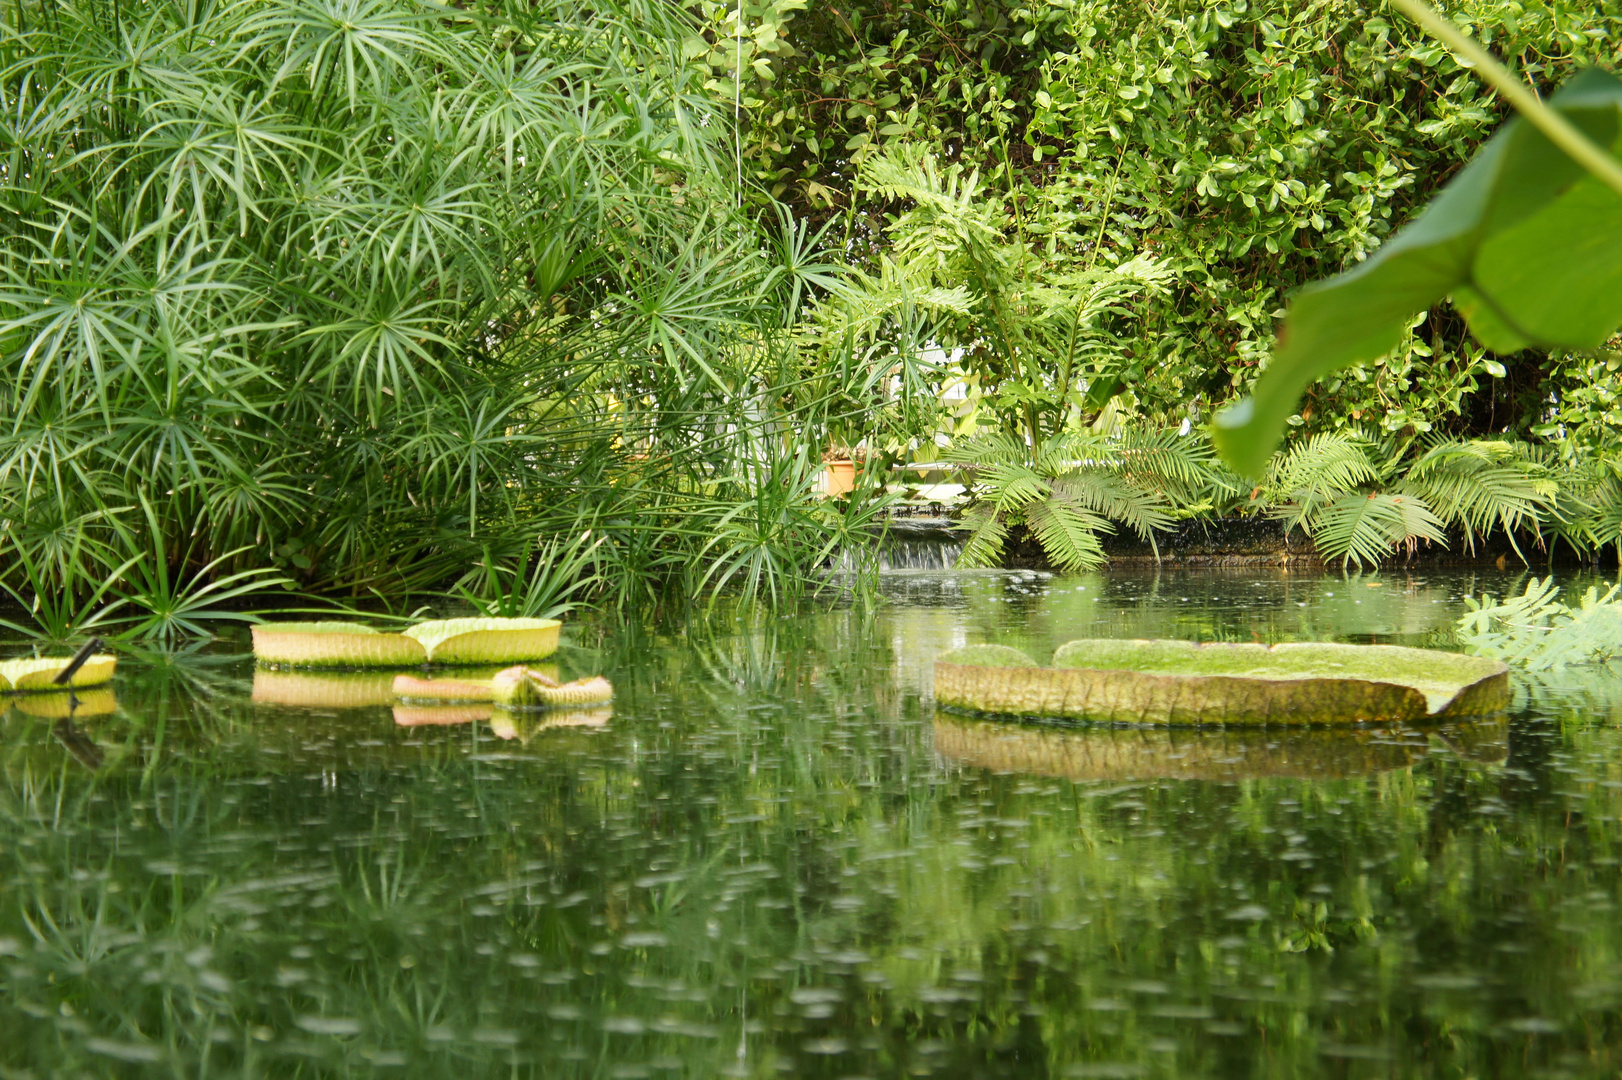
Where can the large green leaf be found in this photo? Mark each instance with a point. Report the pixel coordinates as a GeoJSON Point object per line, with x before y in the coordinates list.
{"type": "Point", "coordinates": [1524, 241]}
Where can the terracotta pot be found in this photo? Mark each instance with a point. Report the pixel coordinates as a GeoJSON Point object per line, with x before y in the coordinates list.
{"type": "Point", "coordinates": [841, 479]}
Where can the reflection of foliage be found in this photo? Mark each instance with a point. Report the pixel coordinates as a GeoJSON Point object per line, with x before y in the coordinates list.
{"type": "Point", "coordinates": [1536, 631]}
{"type": "Point", "coordinates": [764, 850]}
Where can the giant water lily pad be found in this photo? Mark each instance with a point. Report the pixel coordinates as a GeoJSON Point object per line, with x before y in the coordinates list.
{"type": "Point", "coordinates": [334, 644]}
{"type": "Point", "coordinates": [440, 641]}
{"type": "Point", "coordinates": [38, 674]}
{"type": "Point", "coordinates": [1225, 754]}
{"type": "Point", "coordinates": [1180, 682]}
{"type": "Point", "coordinates": [487, 641]}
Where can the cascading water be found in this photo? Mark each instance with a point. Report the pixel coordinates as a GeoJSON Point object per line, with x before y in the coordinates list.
{"type": "Point", "coordinates": [907, 544]}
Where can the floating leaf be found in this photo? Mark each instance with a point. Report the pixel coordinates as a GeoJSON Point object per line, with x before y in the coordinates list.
{"type": "Point", "coordinates": [1180, 682]}
{"type": "Point", "coordinates": [39, 673]}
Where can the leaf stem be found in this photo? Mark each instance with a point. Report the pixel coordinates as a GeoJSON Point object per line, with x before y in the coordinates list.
{"type": "Point", "coordinates": [1560, 131]}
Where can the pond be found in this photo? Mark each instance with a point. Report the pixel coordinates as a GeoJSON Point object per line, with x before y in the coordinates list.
{"type": "Point", "coordinates": [773, 858]}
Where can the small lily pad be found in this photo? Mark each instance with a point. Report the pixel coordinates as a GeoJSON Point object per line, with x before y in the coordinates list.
{"type": "Point", "coordinates": [439, 715]}
{"type": "Point", "coordinates": [1180, 682]}
{"type": "Point", "coordinates": [520, 686]}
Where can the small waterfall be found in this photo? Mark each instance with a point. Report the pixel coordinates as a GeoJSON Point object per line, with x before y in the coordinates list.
{"type": "Point", "coordinates": [908, 545]}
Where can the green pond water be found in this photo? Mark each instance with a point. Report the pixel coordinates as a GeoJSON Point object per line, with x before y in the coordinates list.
{"type": "Point", "coordinates": [773, 858]}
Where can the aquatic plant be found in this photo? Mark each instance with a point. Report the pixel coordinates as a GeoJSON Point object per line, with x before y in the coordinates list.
{"type": "Point", "coordinates": [1536, 631]}
{"type": "Point", "coordinates": [1181, 682]}
{"type": "Point", "coordinates": [440, 641]}
{"type": "Point", "coordinates": [39, 673]}
{"type": "Point", "coordinates": [360, 296]}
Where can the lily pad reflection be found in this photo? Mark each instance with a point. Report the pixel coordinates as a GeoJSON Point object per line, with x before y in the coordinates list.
{"type": "Point", "coordinates": [1105, 753]}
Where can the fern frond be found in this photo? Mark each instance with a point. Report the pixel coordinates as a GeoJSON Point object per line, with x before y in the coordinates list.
{"type": "Point", "coordinates": [1358, 528]}
{"type": "Point", "coordinates": [1322, 468]}
{"type": "Point", "coordinates": [1068, 533]}
{"type": "Point", "coordinates": [988, 449]}
{"type": "Point", "coordinates": [1482, 485]}
{"type": "Point", "coordinates": [988, 532]}
{"type": "Point", "coordinates": [1113, 496]}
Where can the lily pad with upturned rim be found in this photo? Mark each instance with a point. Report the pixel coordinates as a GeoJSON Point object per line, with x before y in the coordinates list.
{"type": "Point", "coordinates": [38, 674]}
{"type": "Point", "coordinates": [520, 686]}
{"type": "Point", "coordinates": [1181, 682]}
{"type": "Point", "coordinates": [487, 641]}
{"type": "Point", "coordinates": [334, 644]}
{"type": "Point", "coordinates": [439, 641]}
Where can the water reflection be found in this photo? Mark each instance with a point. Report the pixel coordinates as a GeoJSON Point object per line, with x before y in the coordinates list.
{"type": "Point", "coordinates": [440, 715]}
{"type": "Point", "coordinates": [323, 690]}
{"type": "Point", "coordinates": [771, 862]}
{"type": "Point", "coordinates": [1105, 753]}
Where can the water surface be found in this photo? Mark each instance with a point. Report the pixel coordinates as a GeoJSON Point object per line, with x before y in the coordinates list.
{"type": "Point", "coordinates": [773, 858]}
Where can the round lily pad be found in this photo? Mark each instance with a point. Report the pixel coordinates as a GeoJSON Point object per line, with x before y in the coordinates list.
{"type": "Point", "coordinates": [334, 644]}
{"type": "Point", "coordinates": [487, 641]}
{"type": "Point", "coordinates": [38, 674]}
{"type": "Point", "coordinates": [1181, 682]}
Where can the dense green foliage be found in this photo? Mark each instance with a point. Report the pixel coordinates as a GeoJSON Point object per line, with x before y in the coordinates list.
{"type": "Point", "coordinates": [1522, 241]}
{"type": "Point", "coordinates": [378, 293]}
{"type": "Point", "coordinates": [382, 298]}
{"type": "Point", "coordinates": [1247, 147]}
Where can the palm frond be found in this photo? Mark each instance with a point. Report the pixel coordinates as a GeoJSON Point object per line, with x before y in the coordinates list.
{"type": "Point", "coordinates": [1068, 532]}
{"type": "Point", "coordinates": [1358, 528]}
{"type": "Point", "coordinates": [987, 533]}
{"type": "Point", "coordinates": [1481, 486]}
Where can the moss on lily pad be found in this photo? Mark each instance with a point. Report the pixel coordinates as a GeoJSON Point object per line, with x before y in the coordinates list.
{"type": "Point", "coordinates": [1180, 682]}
